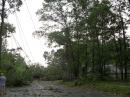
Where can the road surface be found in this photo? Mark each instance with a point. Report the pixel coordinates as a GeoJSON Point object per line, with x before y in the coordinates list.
{"type": "Point", "coordinates": [50, 89]}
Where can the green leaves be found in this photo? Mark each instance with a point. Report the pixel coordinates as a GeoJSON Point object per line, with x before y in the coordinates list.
{"type": "Point", "coordinates": [7, 29]}
{"type": "Point", "coordinates": [14, 65]}
{"type": "Point", "coordinates": [92, 34]}
{"type": "Point", "coordinates": [58, 37]}
{"type": "Point", "coordinates": [14, 5]}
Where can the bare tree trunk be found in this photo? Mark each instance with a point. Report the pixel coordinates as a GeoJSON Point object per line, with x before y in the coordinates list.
{"type": "Point", "coordinates": [2, 26]}
{"type": "Point", "coordinates": [116, 56]}
{"type": "Point", "coordinates": [124, 47]}
{"type": "Point", "coordinates": [93, 56]}
{"type": "Point", "coordinates": [86, 63]}
{"type": "Point", "coordinates": [125, 63]}
{"type": "Point", "coordinates": [121, 59]}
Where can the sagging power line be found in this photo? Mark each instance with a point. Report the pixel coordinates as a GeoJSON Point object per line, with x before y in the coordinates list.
{"type": "Point", "coordinates": [31, 18]}
{"type": "Point", "coordinates": [20, 48]}
{"type": "Point", "coordinates": [21, 32]}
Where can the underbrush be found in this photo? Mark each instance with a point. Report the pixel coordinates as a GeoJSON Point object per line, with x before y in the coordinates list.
{"type": "Point", "coordinates": [18, 79]}
{"type": "Point", "coordinates": [114, 87]}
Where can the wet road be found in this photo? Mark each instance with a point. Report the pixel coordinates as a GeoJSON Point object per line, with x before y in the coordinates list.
{"type": "Point", "coordinates": [50, 89]}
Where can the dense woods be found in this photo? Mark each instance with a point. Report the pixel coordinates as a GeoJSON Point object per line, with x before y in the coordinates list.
{"type": "Point", "coordinates": [90, 47]}
{"type": "Point", "coordinates": [92, 37]}
{"type": "Point", "coordinates": [90, 40]}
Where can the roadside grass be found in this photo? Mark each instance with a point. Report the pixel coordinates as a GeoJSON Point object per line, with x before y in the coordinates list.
{"type": "Point", "coordinates": [119, 88]}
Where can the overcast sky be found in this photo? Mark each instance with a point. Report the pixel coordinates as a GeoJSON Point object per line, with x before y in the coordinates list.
{"type": "Point", "coordinates": [33, 47]}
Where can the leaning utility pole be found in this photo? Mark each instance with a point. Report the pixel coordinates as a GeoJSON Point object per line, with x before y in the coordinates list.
{"type": "Point", "coordinates": [2, 26]}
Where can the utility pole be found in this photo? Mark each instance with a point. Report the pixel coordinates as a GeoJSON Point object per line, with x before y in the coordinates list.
{"type": "Point", "coordinates": [2, 26]}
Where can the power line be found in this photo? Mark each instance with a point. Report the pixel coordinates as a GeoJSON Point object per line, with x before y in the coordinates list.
{"type": "Point", "coordinates": [31, 18]}
{"type": "Point", "coordinates": [30, 14]}
{"type": "Point", "coordinates": [18, 45]}
{"type": "Point", "coordinates": [19, 30]}
{"type": "Point", "coordinates": [20, 27]}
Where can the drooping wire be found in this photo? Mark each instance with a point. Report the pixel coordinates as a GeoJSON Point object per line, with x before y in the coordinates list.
{"type": "Point", "coordinates": [19, 28]}
{"type": "Point", "coordinates": [28, 10]}
{"type": "Point", "coordinates": [18, 44]}
{"type": "Point", "coordinates": [30, 14]}
{"type": "Point", "coordinates": [19, 47]}
{"type": "Point", "coordinates": [22, 32]}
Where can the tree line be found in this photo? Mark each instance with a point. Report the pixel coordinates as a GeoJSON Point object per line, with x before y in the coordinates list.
{"type": "Point", "coordinates": [92, 37]}
{"type": "Point", "coordinates": [12, 64]}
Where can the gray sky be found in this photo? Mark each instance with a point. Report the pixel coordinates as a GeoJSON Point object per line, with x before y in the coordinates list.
{"type": "Point", "coordinates": [34, 47]}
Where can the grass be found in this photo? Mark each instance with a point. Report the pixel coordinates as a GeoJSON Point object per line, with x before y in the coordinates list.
{"type": "Point", "coordinates": [121, 88]}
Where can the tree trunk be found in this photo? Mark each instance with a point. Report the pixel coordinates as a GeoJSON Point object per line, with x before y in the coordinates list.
{"type": "Point", "coordinates": [116, 56]}
{"type": "Point", "coordinates": [2, 26]}
{"type": "Point", "coordinates": [93, 56]}
{"type": "Point", "coordinates": [125, 63]}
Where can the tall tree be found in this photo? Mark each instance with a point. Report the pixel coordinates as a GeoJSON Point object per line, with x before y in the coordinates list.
{"type": "Point", "coordinates": [13, 6]}
{"type": "Point", "coordinates": [92, 35]}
